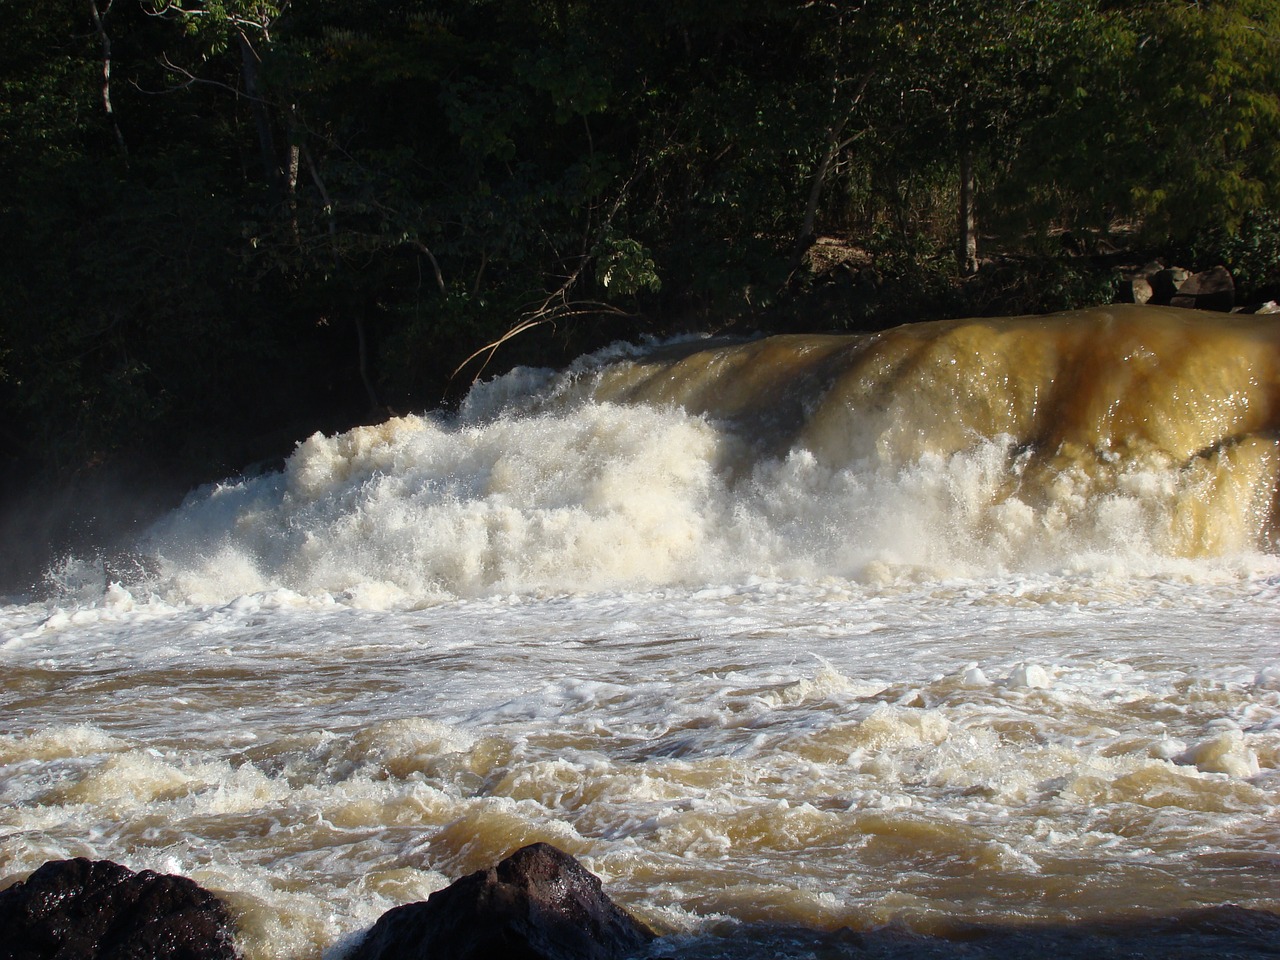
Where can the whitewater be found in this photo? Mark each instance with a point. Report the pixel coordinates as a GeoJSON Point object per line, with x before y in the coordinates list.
{"type": "Point", "coordinates": [792, 641]}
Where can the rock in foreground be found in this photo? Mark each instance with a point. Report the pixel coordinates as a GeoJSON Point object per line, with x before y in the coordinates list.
{"type": "Point", "coordinates": [99, 910]}
{"type": "Point", "coordinates": [538, 904]}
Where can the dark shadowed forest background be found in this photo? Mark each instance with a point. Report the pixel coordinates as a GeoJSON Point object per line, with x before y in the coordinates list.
{"type": "Point", "coordinates": [226, 224]}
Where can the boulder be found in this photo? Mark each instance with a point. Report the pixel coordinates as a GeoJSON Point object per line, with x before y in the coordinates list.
{"type": "Point", "coordinates": [1209, 290]}
{"type": "Point", "coordinates": [99, 910]}
{"type": "Point", "coordinates": [1134, 290]}
{"type": "Point", "coordinates": [1166, 284]}
{"type": "Point", "coordinates": [537, 904]}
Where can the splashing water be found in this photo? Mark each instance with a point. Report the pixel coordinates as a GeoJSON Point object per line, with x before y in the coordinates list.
{"type": "Point", "coordinates": [967, 622]}
{"type": "Point", "coordinates": [1116, 439]}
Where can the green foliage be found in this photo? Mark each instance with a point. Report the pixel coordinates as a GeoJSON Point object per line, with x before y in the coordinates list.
{"type": "Point", "coordinates": [1169, 116]}
{"type": "Point", "coordinates": [624, 266]}
{"type": "Point", "coordinates": [217, 22]}
{"type": "Point", "coordinates": [1040, 285]}
{"type": "Point", "coordinates": [329, 205]}
{"type": "Point", "coordinates": [47, 95]}
{"type": "Point", "coordinates": [1212, 72]}
{"type": "Point", "coordinates": [1249, 249]}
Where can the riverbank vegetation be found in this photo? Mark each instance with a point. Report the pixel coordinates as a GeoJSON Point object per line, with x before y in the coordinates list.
{"type": "Point", "coordinates": [227, 223]}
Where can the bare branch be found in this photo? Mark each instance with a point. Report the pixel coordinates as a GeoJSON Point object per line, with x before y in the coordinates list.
{"type": "Point", "coordinates": [192, 79]}
{"type": "Point", "coordinates": [171, 10]}
{"type": "Point", "coordinates": [537, 319]}
{"type": "Point", "coordinates": [557, 305]}
{"type": "Point", "coordinates": [835, 145]}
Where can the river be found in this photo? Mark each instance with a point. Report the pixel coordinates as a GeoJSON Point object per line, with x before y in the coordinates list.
{"type": "Point", "coordinates": [805, 645]}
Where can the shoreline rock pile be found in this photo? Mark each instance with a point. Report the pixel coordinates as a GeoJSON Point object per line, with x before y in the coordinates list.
{"type": "Point", "coordinates": [1212, 289]}
{"type": "Point", "coordinates": [538, 904]}
{"type": "Point", "coordinates": [542, 904]}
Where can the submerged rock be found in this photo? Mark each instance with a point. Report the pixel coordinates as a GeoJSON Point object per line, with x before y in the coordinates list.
{"type": "Point", "coordinates": [537, 904]}
{"type": "Point", "coordinates": [99, 910]}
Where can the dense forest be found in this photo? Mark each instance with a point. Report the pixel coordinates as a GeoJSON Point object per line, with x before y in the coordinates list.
{"type": "Point", "coordinates": [228, 223]}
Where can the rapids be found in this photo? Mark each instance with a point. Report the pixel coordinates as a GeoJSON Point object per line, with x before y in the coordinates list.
{"type": "Point", "coordinates": [1124, 438]}
{"type": "Point", "coordinates": [970, 622]}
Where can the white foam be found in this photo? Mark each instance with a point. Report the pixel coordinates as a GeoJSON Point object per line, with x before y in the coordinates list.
{"type": "Point", "coordinates": [341, 761]}
{"type": "Point", "coordinates": [1030, 675]}
{"type": "Point", "coordinates": [1225, 753]}
{"type": "Point", "coordinates": [1268, 678]}
{"type": "Point", "coordinates": [536, 489]}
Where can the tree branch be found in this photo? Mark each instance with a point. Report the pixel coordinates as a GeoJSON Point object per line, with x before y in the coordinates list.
{"type": "Point", "coordinates": [835, 146]}
{"type": "Point", "coordinates": [435, 264]}
{"type": "Point", "coordinates": [99, 24]}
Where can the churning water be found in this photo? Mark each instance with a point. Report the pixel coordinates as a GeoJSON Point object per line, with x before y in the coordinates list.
{"type": "Point", "coordinates": [969, 623]}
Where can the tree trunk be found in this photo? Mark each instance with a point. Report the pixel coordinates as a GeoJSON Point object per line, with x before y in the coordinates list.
{"type": "Point", "coordinates": [105, 39]}
{"type": "Point", "coordinates": [805, 238]}
{"type": "Point", "coordinates": [831, 152]}
{"type": "Point", "coordinates": [261, 119]}
{"type": "Point", "coordinates": [967, 249]}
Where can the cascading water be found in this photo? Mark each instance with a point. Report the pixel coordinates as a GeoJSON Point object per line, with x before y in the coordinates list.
{"type": "Point", "coordinates": [1118, 437]}
{"type": "Point", "coordinates": [801, 631]}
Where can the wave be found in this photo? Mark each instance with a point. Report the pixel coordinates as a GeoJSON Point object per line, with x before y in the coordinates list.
{"type": "Point", "coordinates": [1120, 438]}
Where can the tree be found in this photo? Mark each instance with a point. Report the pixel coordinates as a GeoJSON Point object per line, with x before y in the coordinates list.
{"type": "Point", "coordinates": [1208, 75]}
{"type": "Point", "coordinates": [1167, 118]}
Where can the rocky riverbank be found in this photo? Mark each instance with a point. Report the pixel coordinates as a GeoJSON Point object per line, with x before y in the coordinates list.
{"type": "Point", "coordinates": [540, 903]}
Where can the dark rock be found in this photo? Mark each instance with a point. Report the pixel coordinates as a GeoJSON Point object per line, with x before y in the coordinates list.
{"type": "Point", "coordinates": [98, 910]}
{"type": "Point", "coordinates": [537, 904]}
{"type": "Point", "coordinates": [1166, 284]}
{"type": "Point", "coordinates": [1210, 290]}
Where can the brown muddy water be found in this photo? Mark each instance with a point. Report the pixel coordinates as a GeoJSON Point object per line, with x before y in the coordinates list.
{"type": "Point", "coordinates": [958, 640]}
